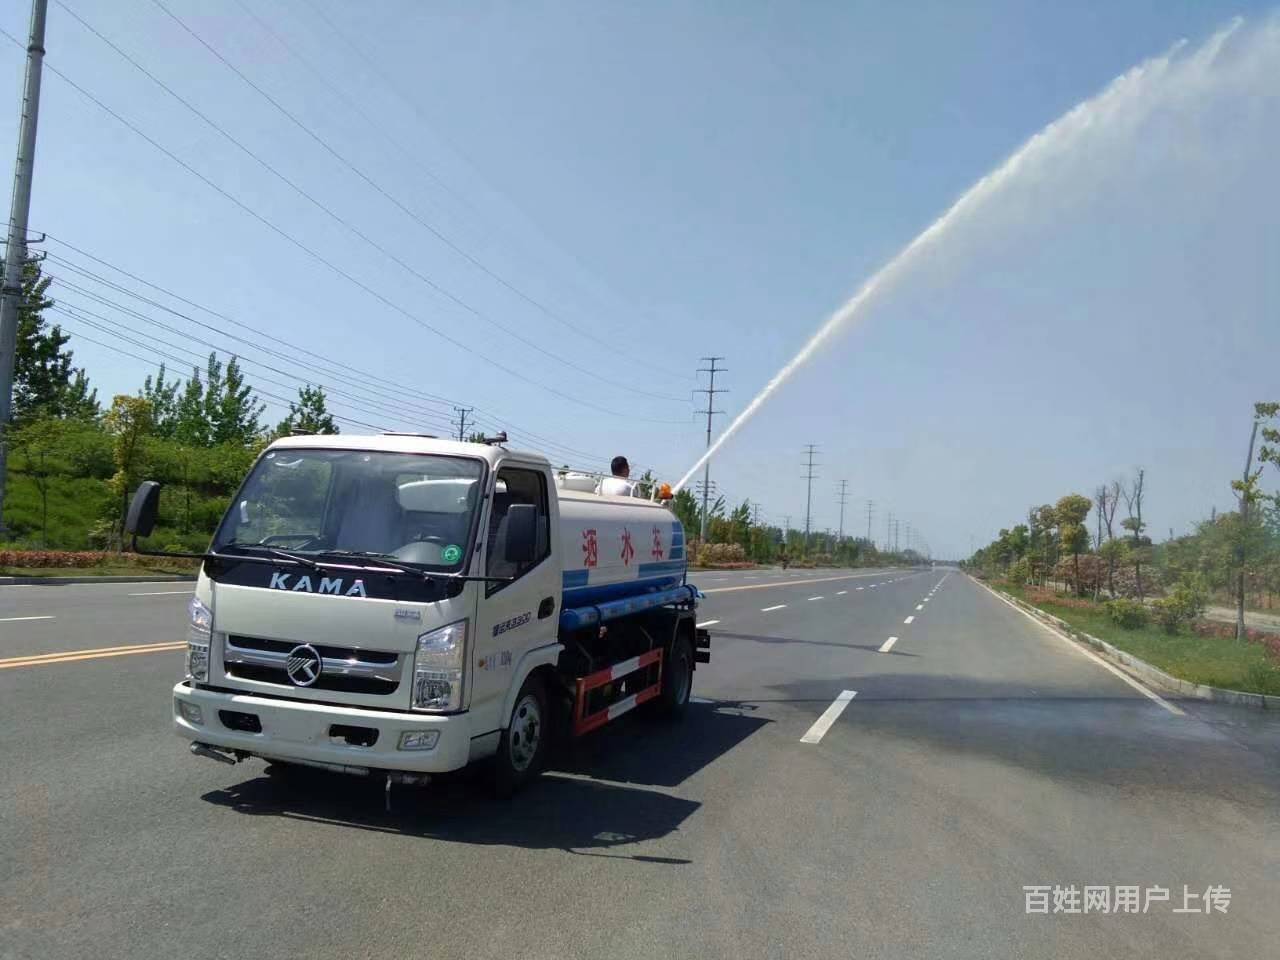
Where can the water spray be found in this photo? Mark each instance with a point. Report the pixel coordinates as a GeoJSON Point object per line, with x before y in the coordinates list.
{"type": "Point", "coordinates": [1124, 99]}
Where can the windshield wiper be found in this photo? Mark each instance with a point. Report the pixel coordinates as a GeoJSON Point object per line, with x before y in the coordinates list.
{"type": "Point", "coordinates": [301, 561]}
{"type": "Point", "coordinates": [386, 558]}
{"type": "Point", "coordinates": [392, 561]}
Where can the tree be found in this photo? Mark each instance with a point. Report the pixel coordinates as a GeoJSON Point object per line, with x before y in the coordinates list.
{"type": "Point", "coordinates": [230, 406]}
{"type": "Point", "coordinates": [309, 415]}
{"type": "Point", "coordinates": [44, 381]}
{"type": "Point", "coordinates": [685, 506]}
{"type": "Point", "coordinates": [37, 445]}
{"type": "Point", "coordinates": [163, 397]}
{"type": "Point", "coordinates": [1073, 536]}
{"type": "Point", "coordinates": [191, 426]}
{"type": "Point", "coordinates": [1249, 494]}
{"type": "Point", "coordinates": [1134, 524]}
{"type": "Point", "coordinates": [129, 423]}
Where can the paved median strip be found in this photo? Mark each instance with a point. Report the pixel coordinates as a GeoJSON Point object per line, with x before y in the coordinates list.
{"type": "Point", "coordinates": [71, 656]}
{"type": "Point", "coordinates": [888, 644]}
{"type": "Point", "coordinates": [829, 716]}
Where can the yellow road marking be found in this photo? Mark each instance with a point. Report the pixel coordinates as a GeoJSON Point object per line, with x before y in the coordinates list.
{"type": "Point", "coordinates": [71, 656]}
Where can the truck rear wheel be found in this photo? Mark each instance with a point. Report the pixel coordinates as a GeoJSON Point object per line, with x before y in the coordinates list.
{"type": "Point", "coordinates": [677, 679]}
{"type": "Point", "coordinates": [522, 748]}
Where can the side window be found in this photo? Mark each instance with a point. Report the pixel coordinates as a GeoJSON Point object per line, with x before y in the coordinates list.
{"type": "Point", "coordinates": [514, 485]}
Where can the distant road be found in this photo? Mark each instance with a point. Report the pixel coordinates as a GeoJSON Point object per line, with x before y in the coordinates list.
{"type": "Point", "coordinates": [878, 764]}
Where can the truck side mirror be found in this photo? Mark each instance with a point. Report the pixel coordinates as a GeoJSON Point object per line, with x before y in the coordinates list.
{"type": "Point", "coordinates": [522, 533]}
{"type": "Point", "coordinates": [141, 519]}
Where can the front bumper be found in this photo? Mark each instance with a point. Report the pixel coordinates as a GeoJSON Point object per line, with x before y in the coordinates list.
{"type": "Point", "coordinates": [303, 732]}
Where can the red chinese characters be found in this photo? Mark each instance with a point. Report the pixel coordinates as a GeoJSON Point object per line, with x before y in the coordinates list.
{"type": "Point", "coordinates": [590, 550]}
{"type": "Point", "coordinates": [628, 551]}
{"type": "Point", "coordinates": [657, 551]}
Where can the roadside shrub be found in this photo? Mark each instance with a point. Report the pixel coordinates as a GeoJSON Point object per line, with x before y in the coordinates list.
{"type": "Point", "coordinates": [722, 553]}
{"type": "Point", "coordinates": [1185, 603]}
{"type": "Point", "coordinates": [1093, 572]}
{"type": "Point", "coordinates": [1128, 614]}
{"type": "Point", "coordinates": [1264, 678]}
{"type": "Point", "coordinates": [1019, 573]}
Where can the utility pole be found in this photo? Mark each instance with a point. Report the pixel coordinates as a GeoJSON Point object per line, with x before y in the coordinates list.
{"type": "Point", "coordinates": [786, 529]}
{"type": "Point", "coordinates": [711, 411]}
{"type": "Point", "coordinates": [871, 504]}
{"type": "Point", "coordinates": [843, 498]}
{"type": "Point", "coordinates": [808, 501]}
{"type": "Point", "coordinates": [755, 514]}
{"type": "Point", "coordinates": [888, 533]}
{"type": "Point", "coordinates": [462, 421]}
{"type": "Point", "coordinates": [15, 259]}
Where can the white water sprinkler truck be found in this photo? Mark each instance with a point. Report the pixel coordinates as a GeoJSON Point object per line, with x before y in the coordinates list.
{"type": "Point", "coordinates": [400, 606]}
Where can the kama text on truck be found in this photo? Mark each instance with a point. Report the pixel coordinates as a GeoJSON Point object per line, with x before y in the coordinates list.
{"type": "Point", "coordinates": [401, 605]}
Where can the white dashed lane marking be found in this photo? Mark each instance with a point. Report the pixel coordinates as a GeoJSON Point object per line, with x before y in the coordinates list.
{"type": "Point", "coordinates": [888, 644]}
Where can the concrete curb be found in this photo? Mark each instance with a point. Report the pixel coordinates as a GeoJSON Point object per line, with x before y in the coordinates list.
{"type": "Point", "coordinates": [1143, 670]}
{"type": "Point", "coordinates": [67, 581]}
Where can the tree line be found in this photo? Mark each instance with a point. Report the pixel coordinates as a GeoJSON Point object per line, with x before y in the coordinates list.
{"type": "Point", "coordinates": [74, 461]}
{"type": "Point", "coordinates": [1233, 556]}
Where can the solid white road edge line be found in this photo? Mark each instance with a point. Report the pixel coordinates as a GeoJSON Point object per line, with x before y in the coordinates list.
{"type": "Point", "coordinates": [776, 606]}
{"type": "Point", "coordinates": [829, 716]}
{"type": "Point", "coordinates": [16, 619]}
{"type": "Point", "coordinates": [909, 619]}
{"type": "Point", "coordinates": [1149, 694]}
{"type": "Point", "coordinates": [888, 644]}
{"type": "Point", "coordinates": [162, 593]}
{"type": "Point", "coordinates": [707, 623]}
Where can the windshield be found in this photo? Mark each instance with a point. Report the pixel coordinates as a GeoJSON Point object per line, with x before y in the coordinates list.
{"type": "Point", "coordinates": [415, 508]}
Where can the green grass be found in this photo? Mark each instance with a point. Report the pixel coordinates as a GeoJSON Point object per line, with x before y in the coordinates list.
{"type": "Point", "coordinates": [1231, 664]}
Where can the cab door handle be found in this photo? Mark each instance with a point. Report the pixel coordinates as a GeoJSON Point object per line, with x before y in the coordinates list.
{"type": "Point", "coordinates": [546, 608]}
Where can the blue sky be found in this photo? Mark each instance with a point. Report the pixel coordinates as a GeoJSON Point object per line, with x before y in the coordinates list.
{"type": "Point", "coordinates": [691, 179]}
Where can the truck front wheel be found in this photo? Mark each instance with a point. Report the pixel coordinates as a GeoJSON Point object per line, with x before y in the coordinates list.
{"type": "Point", "coordinates": [522, 749]}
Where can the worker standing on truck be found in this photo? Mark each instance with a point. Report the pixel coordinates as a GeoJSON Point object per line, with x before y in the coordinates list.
{"type": "Point", "coordinates": [618, 485]}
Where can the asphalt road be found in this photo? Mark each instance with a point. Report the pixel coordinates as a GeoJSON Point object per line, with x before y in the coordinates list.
{"type": "Point", "coordinates": [831, 795]}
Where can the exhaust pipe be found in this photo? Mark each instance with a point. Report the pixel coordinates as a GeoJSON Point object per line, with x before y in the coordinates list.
{"type": "Point", "coordinates": [213, 753]}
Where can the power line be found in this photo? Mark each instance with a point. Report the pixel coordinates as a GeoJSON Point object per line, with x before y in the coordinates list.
{"type": "Point", "coordinates": [114, 327]}
{"type": "Point", "coordinates": [346, 224]}
{"type": "Point", "coordinates": [321, 259]}
{"type": "Point", "coordinates": [161, 353]}
{"type": "Point", "coordinates": [341, 94]}
{"type": "Point", "coordinates": [412, 103]}
{"type": "Point", "coordinates": [401, 409]}
{"type": "Point", "coordinates": [369, 380]}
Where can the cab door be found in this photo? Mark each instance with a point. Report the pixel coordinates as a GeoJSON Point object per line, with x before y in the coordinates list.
{"type": "Point", "coordinates": [517, 616]}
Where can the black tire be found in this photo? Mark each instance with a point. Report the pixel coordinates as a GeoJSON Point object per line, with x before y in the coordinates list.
{"type": "Point", "coordinates": [522, 748]}
{"type": "Point", "coordinates": [677, 679]}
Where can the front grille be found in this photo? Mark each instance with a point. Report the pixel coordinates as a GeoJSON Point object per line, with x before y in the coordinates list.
{"type": "Point", "coordinates": [343, 669]}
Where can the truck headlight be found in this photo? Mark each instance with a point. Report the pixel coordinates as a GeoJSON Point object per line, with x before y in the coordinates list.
{"type": "Point", "coordinates": [437, 668]}
{"type": "Point", "coordinates": [199, 631]}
